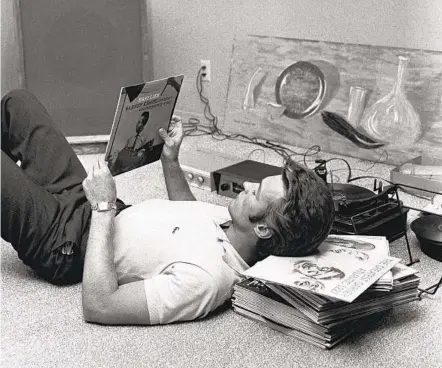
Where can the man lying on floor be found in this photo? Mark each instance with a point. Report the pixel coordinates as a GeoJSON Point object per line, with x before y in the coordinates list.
{"type": "Point", "coordinates": [156, 262]}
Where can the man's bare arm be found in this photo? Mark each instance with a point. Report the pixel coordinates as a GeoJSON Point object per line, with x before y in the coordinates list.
{"type": "Point", "coordinates": [99, 276]}
{"type": "Point", "coordinates": [177, 186]}
{"type": "Point", "coordinates": [104, 301]}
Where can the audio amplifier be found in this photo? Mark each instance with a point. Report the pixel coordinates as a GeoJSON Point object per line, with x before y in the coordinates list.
{"type": "Point", "coordinates": [229, 181]}
{"type": "Point", "coordinates": [198, 167]}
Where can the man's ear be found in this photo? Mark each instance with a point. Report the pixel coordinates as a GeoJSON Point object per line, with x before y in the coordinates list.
{"type": "Point", "coordinates": [262, 231]}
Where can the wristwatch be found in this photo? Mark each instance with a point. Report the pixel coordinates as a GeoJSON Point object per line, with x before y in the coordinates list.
{"type": "Point", "coordinates": [103, 206]}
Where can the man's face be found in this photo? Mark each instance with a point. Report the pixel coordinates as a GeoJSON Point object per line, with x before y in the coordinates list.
{"type": "Point", "coordinates": [254, 200]}
{"type": "Point", "coordinates": [309, 269]}
{"type": "Point", "coordinates": [141, 123]}
{"type": "Point", "coordinates": [309, 284]}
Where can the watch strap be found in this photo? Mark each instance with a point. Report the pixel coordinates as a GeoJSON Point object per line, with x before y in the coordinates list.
{"type": "Point", "coordinates": [104, 206]}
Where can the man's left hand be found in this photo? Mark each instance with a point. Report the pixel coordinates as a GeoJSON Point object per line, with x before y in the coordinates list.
{"type": "Point", "coordinates": [99, 185]}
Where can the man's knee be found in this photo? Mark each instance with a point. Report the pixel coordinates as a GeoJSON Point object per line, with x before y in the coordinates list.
{"type": "Point", "coordinates": [19, 94]}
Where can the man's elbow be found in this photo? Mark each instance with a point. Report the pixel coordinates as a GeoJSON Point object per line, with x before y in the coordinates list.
{"type": "Point", "coordinates": [94, 314]}
{"type": "Point", "coordinates": [102, 316]}
{"type": "Point", "coordinates": [106, 314]}
{"type": "Point", "coordinates": [95, 309]}
{"type": "Point", "coordinates": [90, 316]}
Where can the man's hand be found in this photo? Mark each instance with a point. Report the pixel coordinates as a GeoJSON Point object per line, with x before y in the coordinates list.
{"type": "Point", "coordinates": [99, 185]}
{"type": "Point", "coordinates": [176, 184]}
{"type": "Point", "coordinates": [172, 139]}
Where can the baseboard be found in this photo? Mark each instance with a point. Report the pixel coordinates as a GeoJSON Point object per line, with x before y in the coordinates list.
{"type": "Point", "coordinates": [93, 144]}
{"type": "Point", "coordinates": [88, 144]}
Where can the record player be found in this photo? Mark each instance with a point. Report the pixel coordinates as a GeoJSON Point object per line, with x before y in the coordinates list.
{"type": "Point", "coordinates": [362, 211]}
{"type": "Point", "coordinates": [381, 213]}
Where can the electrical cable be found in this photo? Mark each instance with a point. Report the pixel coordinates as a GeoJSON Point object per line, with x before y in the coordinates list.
{"type": "Point", "coordinates": [346, 162]}
{"type": "Point", "coordinates": [194, 128]}
{"type": "Point", "coordinates": [378, 160]}
{"type": "Point", "coordinates": [318, 148]}
{"type": "Point", "coordinates": [258, 149]}
{"type": "Point", "coordinates": [395, 184]}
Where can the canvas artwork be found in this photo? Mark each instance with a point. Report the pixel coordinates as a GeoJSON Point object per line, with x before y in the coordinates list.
{"type": "Point", "coordinates": [357, 100]}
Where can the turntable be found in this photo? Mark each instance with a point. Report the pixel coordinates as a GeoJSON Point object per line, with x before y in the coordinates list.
{"type": "Point", "coordinates": [365, 212]}
{"type": "Point", "coordinates": [381, 213]}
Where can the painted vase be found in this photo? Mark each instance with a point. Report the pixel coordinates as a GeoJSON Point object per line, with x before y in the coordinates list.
{"type": "Point", "coordinates": [392, 119]}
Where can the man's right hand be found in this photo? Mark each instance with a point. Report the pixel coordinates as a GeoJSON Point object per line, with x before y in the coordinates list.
{"type": "Point", "coordinates": [172, 139]}
{"type": "Point", "coordinates": [99, 185]}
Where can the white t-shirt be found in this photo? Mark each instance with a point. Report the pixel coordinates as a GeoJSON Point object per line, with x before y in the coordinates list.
{"type": "Point", "coordinates": [184, 257]}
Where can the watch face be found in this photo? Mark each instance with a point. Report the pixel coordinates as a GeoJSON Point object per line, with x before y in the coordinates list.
{"type": "Point", "coordinates": [104, 206]}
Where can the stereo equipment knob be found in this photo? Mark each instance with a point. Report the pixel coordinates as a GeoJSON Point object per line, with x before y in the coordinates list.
{"type": "Point", "coordinates": [225, 187]}
{"type": "Point", "coordinates": [200, 179]}
{"type": "Point", "coordinates": [189, 176]}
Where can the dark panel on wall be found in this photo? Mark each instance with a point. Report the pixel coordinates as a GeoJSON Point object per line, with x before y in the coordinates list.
{"type": "Point", "coordinates": [78, 53]}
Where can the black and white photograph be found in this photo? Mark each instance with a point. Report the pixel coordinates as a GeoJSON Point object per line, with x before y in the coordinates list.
{"type": "Point", "coordinates": [223, 184]}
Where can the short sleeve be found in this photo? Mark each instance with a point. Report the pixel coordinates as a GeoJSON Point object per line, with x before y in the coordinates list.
{"type": "Point", "coordinates": [182, 292]}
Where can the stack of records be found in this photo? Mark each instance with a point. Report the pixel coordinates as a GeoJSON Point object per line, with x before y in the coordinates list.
{"type": "Point", "coordinates": [310, 298]}
{"type": "Point", "coordinates": [361, 247]}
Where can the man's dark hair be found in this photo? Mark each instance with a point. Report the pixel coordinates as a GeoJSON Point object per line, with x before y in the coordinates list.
{"type": "Point", "coordinates": [302, 219]}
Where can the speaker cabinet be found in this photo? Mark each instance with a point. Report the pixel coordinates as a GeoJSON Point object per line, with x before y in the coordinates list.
{"type": "Point", "coordinates": [77, 56]}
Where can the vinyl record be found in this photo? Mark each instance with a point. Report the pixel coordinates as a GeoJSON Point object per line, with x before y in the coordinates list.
{"type": "Point", "coordinates": [431, 249]}
{"type": "Point", "coordinates": [351, 199]}
{"type": "Point", "coordinates": [428, 227]}
{"type": "Point", "coordinates": [349, 192]}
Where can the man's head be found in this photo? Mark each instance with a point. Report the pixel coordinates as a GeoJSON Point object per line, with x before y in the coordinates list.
{"type": "Point", "coordinates": [291, 214]}
{"type": "Point", "coordinates": [142, 122]}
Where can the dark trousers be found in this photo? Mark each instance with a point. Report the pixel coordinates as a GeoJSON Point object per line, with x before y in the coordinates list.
{"type": "Point", "coordinates": [45, 214]}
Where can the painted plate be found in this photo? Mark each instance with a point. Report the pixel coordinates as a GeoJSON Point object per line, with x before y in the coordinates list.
{"type": "Point", "coordinates": [300, 87]}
